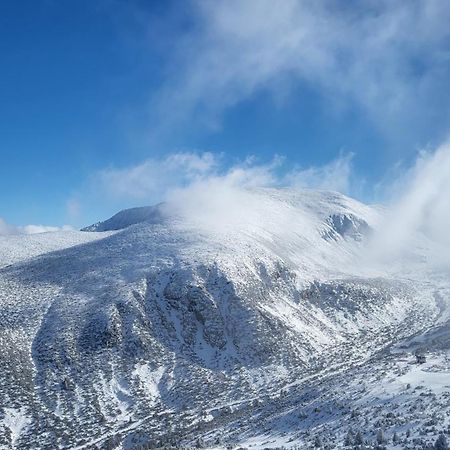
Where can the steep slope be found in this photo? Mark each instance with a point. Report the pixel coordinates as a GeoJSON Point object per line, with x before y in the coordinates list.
{"type": "Point", "coordinates": [172, 329]}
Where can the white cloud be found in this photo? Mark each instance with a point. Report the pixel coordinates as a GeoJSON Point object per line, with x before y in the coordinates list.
{"type": "Point", "coordinates": [150, 179]}
{"type": "Point", "coordinates": [73, 208]}
{"type": "Point", "coordinates": [156, 179]}
{"type": "Point", "coordinates": [34, 229]}
{"type": "Point", "coordinates": [420, 206]}
{"type": "Point", "coordinates": [391, 57]}
{"type": "Point", "coordinates": [336, 175]}
{"type": "Point", "coordinates": [221, 199]}
{"type": "Point", "coordinates": [7, 229]}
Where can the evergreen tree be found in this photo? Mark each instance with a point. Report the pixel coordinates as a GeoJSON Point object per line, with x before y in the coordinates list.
{"type": "Point", "coordinates": [359, 439]}
{"type": "Point", "coordinates": [317, 442]}
{"type": "Point", "coordinates": [441, 443]}
{"type": "Point", "coordinates": [395, 438]}
{"type": "Point", "coordinates": [348, 442]}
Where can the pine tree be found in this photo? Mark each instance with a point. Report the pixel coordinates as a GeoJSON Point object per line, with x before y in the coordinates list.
{"type": "Point", "coordinates": [441, 443]}
{"type": "Point", "coordinates": [317, 442]}
{"type": "Point", "coordinates": [395, 438]}
{"type": "Point", "coordinates": [359, 439]}
{"type": "Point", "coordinates": [348, 442]}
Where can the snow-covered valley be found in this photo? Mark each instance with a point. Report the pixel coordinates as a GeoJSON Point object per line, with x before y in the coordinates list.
{"type": "Point", "coordinates": [271, 327]}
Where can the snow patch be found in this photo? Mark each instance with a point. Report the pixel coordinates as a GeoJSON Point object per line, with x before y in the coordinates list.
{"type": "Point", "coordinates": [149, 379]}
{"type": "Point", "coordinates": [17, 421]}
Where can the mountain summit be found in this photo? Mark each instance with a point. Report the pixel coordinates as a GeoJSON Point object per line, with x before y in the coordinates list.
{"type": "Point", "coordinates": [126, 218]}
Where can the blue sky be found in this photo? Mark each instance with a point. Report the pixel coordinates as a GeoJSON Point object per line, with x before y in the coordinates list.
{"type": "Point", "coordinates": [112, 104]}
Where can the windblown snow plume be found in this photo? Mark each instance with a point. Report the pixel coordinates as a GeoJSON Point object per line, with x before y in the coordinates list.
{"type": "Point", "coordinates": [420, 210]}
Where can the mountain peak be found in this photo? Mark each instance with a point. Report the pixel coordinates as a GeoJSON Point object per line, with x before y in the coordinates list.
{"type": "Point", "coordinates": [128, 217]}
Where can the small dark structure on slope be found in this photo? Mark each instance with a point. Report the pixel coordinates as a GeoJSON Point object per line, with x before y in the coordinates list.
{"type": "Point", "coordinates": [420, 356]}
{"type": "Point", "coordinates": [420, 359]}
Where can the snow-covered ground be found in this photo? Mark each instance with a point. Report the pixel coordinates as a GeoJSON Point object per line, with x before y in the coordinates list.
{"type": "Point", "coordinates": [272, 327]}
{"type": "Point", "coordinates": [16, 248]}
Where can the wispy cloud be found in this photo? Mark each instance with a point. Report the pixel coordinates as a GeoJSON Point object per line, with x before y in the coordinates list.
{"type": "Point", "coordinates": [389, 57]}
{"type": "Point", "coordinates": [152, 178]}
{"type": "Point", "coordinates": [8, 229]}
{"type": "Point", "coordinates": [419, 206]}
{"type": "Point", "coordinates": [157, 179]}
{"type": "Point", "coordinates": [337, 175]}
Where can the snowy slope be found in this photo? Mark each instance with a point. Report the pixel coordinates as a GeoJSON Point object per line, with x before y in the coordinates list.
{"type": "Point", "coordinates": [17, 248]}
{"type": "Point", "coordinates": [180, 328]}
{"type": "Point", "coordinates": [125, 218]}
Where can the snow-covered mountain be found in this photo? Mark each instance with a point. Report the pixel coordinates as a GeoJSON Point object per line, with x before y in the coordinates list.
{"type": "Point", "coordinates": [125, 218]}
{"type": "Point", "coordinates": [263, 324]}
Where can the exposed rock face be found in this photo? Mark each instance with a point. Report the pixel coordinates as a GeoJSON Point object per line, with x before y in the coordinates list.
{"type": "Point", "coordinates": [347, 226]}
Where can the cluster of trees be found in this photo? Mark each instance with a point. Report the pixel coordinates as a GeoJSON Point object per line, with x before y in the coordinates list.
{"type": "Point", "coordinates": [356, 441]}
